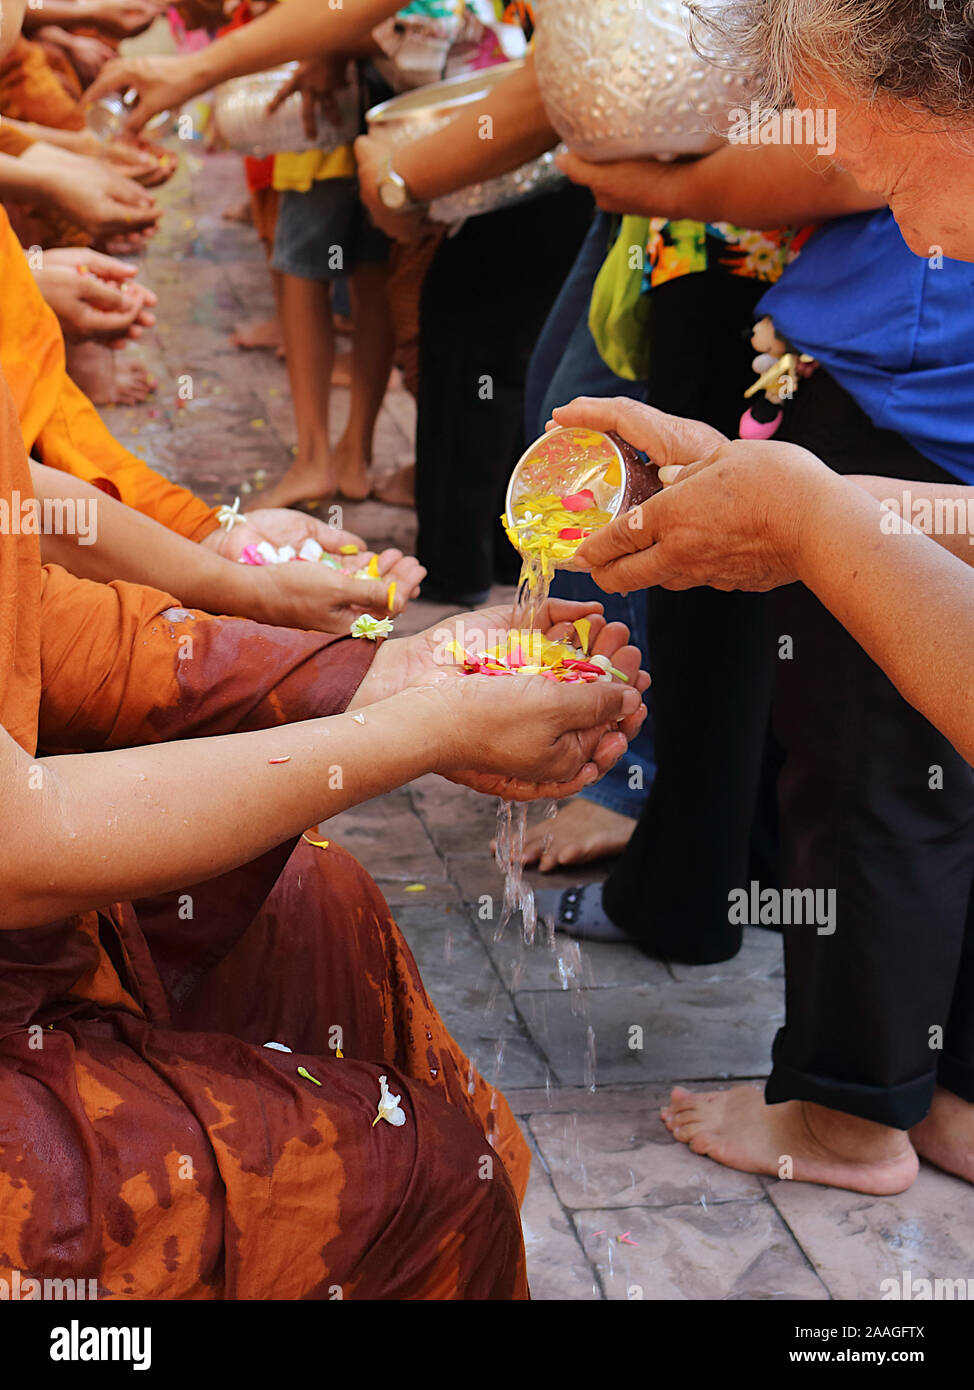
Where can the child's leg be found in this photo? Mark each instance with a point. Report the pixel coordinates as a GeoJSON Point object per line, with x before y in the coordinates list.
{"type": "Point", "coordinates": [264, 333]}
{"type": "Point", "coordinates": [309, 341]}
{"type": "Point", "coordinates": [373, 344]}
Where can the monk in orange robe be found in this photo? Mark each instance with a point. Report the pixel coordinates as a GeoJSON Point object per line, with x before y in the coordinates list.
{"type": "Point", "coordinates": [148, 1139]}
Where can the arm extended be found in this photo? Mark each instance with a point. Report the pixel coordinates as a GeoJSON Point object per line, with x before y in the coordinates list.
{"type": "Point", "coordinates": [299, 29]}
{"type": "Point", "coordinates": [459, 153]}
{"type": "Point", "coordinates": [761, 187]}
{"type": "Point", "coordinates": [128, 823]}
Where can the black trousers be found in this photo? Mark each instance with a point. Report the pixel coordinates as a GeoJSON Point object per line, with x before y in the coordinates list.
{"type": "Point", "coordinates": [484, 302]}
{"type": "Point", "coordinates": [877, 805]}
{"type": "Point", "coordinates": [873, 803]}
{"type": "Point", "coordinates": [712, 668]}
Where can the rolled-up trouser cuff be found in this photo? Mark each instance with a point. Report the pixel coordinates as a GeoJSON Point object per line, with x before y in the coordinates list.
{"type": "Point", "coordinates": [956, 1076]}
{"type": "Point", "coordinates": [900, 1106]}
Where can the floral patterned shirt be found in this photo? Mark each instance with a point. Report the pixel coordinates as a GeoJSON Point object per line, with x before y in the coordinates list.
{"type": "Point", "coordinates": [685, 247]}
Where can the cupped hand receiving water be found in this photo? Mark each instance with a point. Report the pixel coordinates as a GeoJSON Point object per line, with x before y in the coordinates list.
{"type": "Point", "coordinates": [548, 742]}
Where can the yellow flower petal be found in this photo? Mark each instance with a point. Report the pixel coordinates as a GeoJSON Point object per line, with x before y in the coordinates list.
{"type": "Point", "coordinates": [583, 627]}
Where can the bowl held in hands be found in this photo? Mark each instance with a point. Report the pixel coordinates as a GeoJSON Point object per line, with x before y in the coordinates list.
{"type": "Point", "coordinates": [570, 482]}
{"type": "Point", "coordinates": [621, 81]}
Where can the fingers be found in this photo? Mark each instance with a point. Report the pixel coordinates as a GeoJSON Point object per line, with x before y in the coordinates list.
{"type": "Point", "coordinates": [308, 114]}
{"type": "Point", "coordinates": [591, 706]}
{"type": "Point", "coordinates": [281, 95]}
{"type": "Point", "coordinates": [331, 538]}
{"type": "Point", "coordinates": [561, 610]}
{"type": "Point", "coordinates": [667, 439]}
{"type": "Point", "coordinates": [114, 75]}
{"type": "Point", "coordinates": [109, 267]}
{"type": "Point", "coordinates": [370, 596]}
{"type": "Point", "coordinates": [102, 295]}
{"type": "Point", "coordinates": [634, 531]}
{"type": "Point", "coordinates": [648, 569]}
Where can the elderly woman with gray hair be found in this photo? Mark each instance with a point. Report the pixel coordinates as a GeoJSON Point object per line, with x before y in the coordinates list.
{"type": "Point", "coordinates": [899, 76]}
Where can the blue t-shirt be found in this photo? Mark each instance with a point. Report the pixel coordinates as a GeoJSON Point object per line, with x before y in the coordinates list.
{"type": "Point", "coordinates": [895, 330]}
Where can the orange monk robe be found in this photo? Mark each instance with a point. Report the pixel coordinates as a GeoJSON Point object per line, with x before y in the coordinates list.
{"type": "Point", "coordinates": [33, 87]}
{"type": "Point", "coordinates": [59, 424]}
{"type": "Point", "coordinates": [153, 1143]}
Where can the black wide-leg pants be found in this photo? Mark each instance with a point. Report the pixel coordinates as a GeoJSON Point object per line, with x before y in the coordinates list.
{"type": "Point", "coordinates": [877, 805]}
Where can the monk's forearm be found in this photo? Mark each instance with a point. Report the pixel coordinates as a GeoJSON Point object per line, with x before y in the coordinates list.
{"type": "Point", "coordinates": [20, 179]}
{"type": "Point", "coordinates": [84, 831]}
{"type": "Point", "coordinates": [103, 539]}
{"type": "Point", "coordinates": [760, 187]}
{"type": "Point", "coordinates": [299, 29]}
{"type": "Point", "coordinates": [908, 602]}
{"type": "Point", "coordinates": [489, 138]}
{"type": "Point", "coordinates": [77, 141]}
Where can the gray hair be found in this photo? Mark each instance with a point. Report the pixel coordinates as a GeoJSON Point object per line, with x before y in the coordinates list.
{"type": "Point", "coordinates": [914, 51]}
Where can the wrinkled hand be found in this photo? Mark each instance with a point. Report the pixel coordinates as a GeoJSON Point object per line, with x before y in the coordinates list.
{"type": "Point", "coordinates": [94, 296]}
{"type": "Point", "coordinates": [729, 516]}
{"type": "Point", "coordinates": [638, 186]}
{"type": "Point", "coordinates": [370, 158]}
{"type": "Point", "coordinates": [102, 200]}
{"type": "Point", "coordinates": [161, 84]}
{"type": "Point", "coordinates": [317, 79]}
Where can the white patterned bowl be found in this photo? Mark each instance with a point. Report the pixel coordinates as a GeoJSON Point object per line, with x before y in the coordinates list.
{"type": "Point", "coordinates": [621, 81]}
{"type": "Point", "coordinates": [240, 114]}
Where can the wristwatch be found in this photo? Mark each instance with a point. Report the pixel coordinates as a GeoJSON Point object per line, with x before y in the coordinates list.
{"type": "Point", "coordinates": [393, 192]}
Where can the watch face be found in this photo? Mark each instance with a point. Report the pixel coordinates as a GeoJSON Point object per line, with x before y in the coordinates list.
{"type": "Point", "coordinates": [392, 192]}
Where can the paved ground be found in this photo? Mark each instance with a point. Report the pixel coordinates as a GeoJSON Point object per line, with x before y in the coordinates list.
{"type": "Point", "coordinates": [605, 1165]}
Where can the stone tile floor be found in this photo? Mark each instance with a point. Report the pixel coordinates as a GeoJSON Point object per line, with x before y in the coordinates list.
{"type": "Point", "coordinates": [605, 1166]}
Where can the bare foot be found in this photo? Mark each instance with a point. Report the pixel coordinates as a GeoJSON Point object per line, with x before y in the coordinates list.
{"type": "Point", "coordinates": [352, 473]}
{"type": "Point", "coordinates": [736, 1128]}
{"type": "Point", "coordinates": [341, 372]}
{"type": "Point", "coordinates": [303, 482]}
{"type": "Point", "coordinates": [239, 212]}
{"type": "Point", "coordinates": [107, 377]}
{"type": "Point", "coordinates": [260, 333]}
{"type": "Point", "coordinates": [582, 830]}
{"type": "Point", "coordinates": [400, 489]}
{"type": "Point", "coordinates": [946, 1136]}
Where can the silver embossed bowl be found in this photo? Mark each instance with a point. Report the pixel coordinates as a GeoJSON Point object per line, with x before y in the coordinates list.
{"type": "Point", "coordinates": [621, 81]}
{"type": "Point", "coordinates": [427, 109]}
{"type": "Point", "coordinates": [240, 114]}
